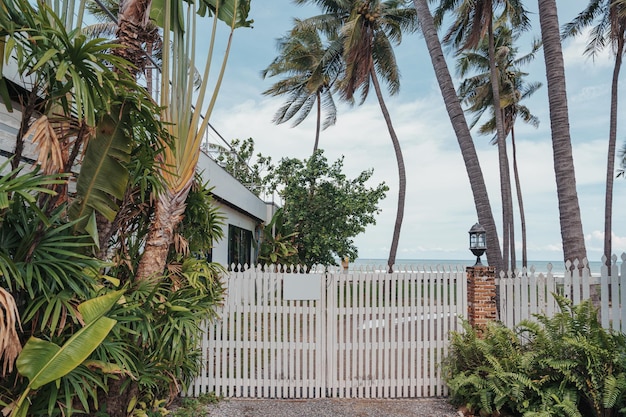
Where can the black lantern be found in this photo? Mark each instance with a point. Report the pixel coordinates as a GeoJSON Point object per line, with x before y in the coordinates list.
{"type": "Point", "coordinates": [478, 241]}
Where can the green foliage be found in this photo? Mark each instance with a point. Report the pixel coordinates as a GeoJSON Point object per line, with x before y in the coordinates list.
{"type": "Point", "coordinates": [159, 329]}
{"type": "Point", "coordinates": [192, 407]}
{"type": "Point", "coordinates": [277, 244]}
{"type": "Point", "coordinates": [324, 207]}
{"type": "Point", "coordinates": [42, 264]}
{"type": "Point", "coordinates": [43, 362]}
{"type": "Point", "coordinates": [105, 167]}
{"type": "Point", "coordinates": [237, 158]}
{"type": "Point", "coordinates": [203, 221]}
{"type": "Point", "coordinates": [67, 69]}
{"type": "Point", "coordinates": [565, 365]}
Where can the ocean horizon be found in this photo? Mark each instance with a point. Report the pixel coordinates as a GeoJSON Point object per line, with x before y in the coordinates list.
{"type": "Point", "coordinates": [540, 266]}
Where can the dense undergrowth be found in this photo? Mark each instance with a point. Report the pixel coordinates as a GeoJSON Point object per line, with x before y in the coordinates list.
{"type": "Point", "coordinates": [565, 365]}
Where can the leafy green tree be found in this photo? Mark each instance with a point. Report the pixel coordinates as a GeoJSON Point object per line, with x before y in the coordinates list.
{"type": "Point", "coordinates": [609, 18]}
{"type": "Point", "coordinates": [309, 69]}
{"type": "Point", "coordinates": [367, 31]}
{"type": "Point", "coordinates": [237, 160]}
{"type": "Point", "coordinates": [46, 272]}
{"type": "Point", "coordinates": [324, 207]}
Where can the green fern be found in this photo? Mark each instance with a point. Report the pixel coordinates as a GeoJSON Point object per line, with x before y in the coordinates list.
{"type": "Point", "coordinates": [564, 365]}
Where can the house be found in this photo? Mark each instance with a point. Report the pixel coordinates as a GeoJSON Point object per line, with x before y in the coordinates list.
{"type": "Point", "coordinates": [244, 212]}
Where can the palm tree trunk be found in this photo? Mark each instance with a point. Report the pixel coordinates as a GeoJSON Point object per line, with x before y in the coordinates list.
{"type": "Point", "coordinates": [520, 202]}
{"type": "Point", "coordinates": [505, 176]}
{"type": "Point", "coordinates": [569, 211]}
{"type": "Point", "coordinates": [610, 166]}
{"type": "Point", "coordinates": [393, 250]}
{"type": "Point", "coordinates": [318, 122]}
{"type": "Point", "coordinates": [170, 207]}
{"type": "Point", "coordinates": [133, 18]}
{"type": "Point", "coordinates": [463, 135]}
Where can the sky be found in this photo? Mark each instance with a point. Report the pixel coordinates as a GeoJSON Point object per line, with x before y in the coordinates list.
{"type": "Point", "coordinates": [439, 208]}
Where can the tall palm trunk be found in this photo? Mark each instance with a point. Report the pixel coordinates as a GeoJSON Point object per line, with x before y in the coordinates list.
{"type": "Point", "coordinates": [520, 202]}
{"type": "Point", "coordinates": [318, 122]}
{"type": "Point", "coordinates": [170, 207]}
{"type": "Point", "coordinates": [610, 166]}
{"type": "Point", "coordinates": [463, 135]}
{"type": "Point", "coordinates": [569, 211]}
{"type": "Point", "coordinates": [508, 245]}
{"type": "Point", "coordinates": [401, 173]}
{"type": "Point", "coordinates": [133, 19]}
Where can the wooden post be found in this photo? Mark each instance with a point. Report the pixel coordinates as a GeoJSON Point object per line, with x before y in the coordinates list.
{"type": "Point", "coordinates": [481, 294]}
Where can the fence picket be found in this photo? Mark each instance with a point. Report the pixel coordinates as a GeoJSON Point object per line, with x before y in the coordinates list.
{"type": "Point", "coordinates": [371, 334]}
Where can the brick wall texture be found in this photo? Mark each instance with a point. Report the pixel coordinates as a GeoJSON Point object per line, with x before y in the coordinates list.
{"type": "Point", "coordinates": [481, 294]}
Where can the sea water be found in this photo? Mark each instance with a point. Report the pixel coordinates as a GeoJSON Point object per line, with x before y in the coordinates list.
{"type": "Point", "coordinates": [557, 267]}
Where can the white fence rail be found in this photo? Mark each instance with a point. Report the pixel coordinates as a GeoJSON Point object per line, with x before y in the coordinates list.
{"type": "Point", "coordinates": [526, 293]}
{"type": "Point", "coordinates": [363, 334]}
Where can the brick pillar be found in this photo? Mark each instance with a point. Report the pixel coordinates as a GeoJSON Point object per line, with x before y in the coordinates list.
{"type": "Point", "coordinates": [481, 294]}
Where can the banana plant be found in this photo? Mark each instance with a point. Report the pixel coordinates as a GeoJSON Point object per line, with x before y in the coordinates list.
{"type": "Point", "coordinates": [43, 362]}
{"type": "Point", "coordinates": [182, 112]}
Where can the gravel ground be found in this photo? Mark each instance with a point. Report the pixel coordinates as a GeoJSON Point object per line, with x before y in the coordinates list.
{"type": "Point", "coordinates": [331, 407]}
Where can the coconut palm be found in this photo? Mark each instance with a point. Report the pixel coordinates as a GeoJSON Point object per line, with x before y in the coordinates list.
{"type": "Point", "coordinates": [368, 29]}
{"type": "Point", "coordinates": [569, 209]}
{"type": "Point", "coordinates": [474, 22]}
{"type": "Point", "coordinates": [461, 129]}
{"type": "Point", "coordinates": [609, 18]}
{"type": "Point", "coordinates": [310, 70]}
{"type": "Point", "coordinates": [475, 92]}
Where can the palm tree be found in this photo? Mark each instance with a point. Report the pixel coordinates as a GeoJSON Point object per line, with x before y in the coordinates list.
{"type": "Point", "coordinates": [134, 29]}
{"type": "Point", "coordinates": [367, 30]}
{"type": "Point", "coordinates": [569, 209]}
{"type": "Point", "coordinates": [610, 29]}
{"type": "Point", "coordinates": [474, 22]}
{"type": "Point", "coordinates": [310, 69]}
{"type": "Point", "coordinates": [475, 91]}
{"type": "Point", "coordinates": [461, 129]}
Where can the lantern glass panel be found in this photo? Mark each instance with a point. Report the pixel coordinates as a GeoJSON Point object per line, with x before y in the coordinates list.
{"type": "Point", "coordinates": [481, 240]}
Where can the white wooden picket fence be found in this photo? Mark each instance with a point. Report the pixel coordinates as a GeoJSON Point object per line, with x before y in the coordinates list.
{"type": "Point", "coordinates": [330, 333]}
{"type": "Point", "coordinates": [526, 293]}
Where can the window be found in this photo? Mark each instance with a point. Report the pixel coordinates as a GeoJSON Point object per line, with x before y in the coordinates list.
{"type": "Point", "coordinates": [239, 245]}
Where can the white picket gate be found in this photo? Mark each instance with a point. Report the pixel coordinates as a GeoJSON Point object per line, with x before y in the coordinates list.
{"type": "Point", "coordinates": [524, 294]}
{"type": "Point", "coordinates": [364, 333]}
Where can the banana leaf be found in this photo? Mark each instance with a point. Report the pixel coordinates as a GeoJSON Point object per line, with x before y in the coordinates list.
{"type": "Point", "coordinates": [104, 173]}
{"type": "Point", "coordinates": [43, 362]}
{"type": "Point", "coordinates": [226, 11]}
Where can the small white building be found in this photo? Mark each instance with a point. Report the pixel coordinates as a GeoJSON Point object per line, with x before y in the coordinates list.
{"type": "Point", "coordinates": [244, 212]}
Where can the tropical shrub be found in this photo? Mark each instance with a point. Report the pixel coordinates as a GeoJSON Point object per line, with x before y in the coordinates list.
{"type": "Point", "coordinates": [47, 275]}
{"type": "Point", "coordinates": [565, 365]}
{"type": "Point", "coordinates": [277, 244]}
{"type": "Point", "coordinates": [56, 299]}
